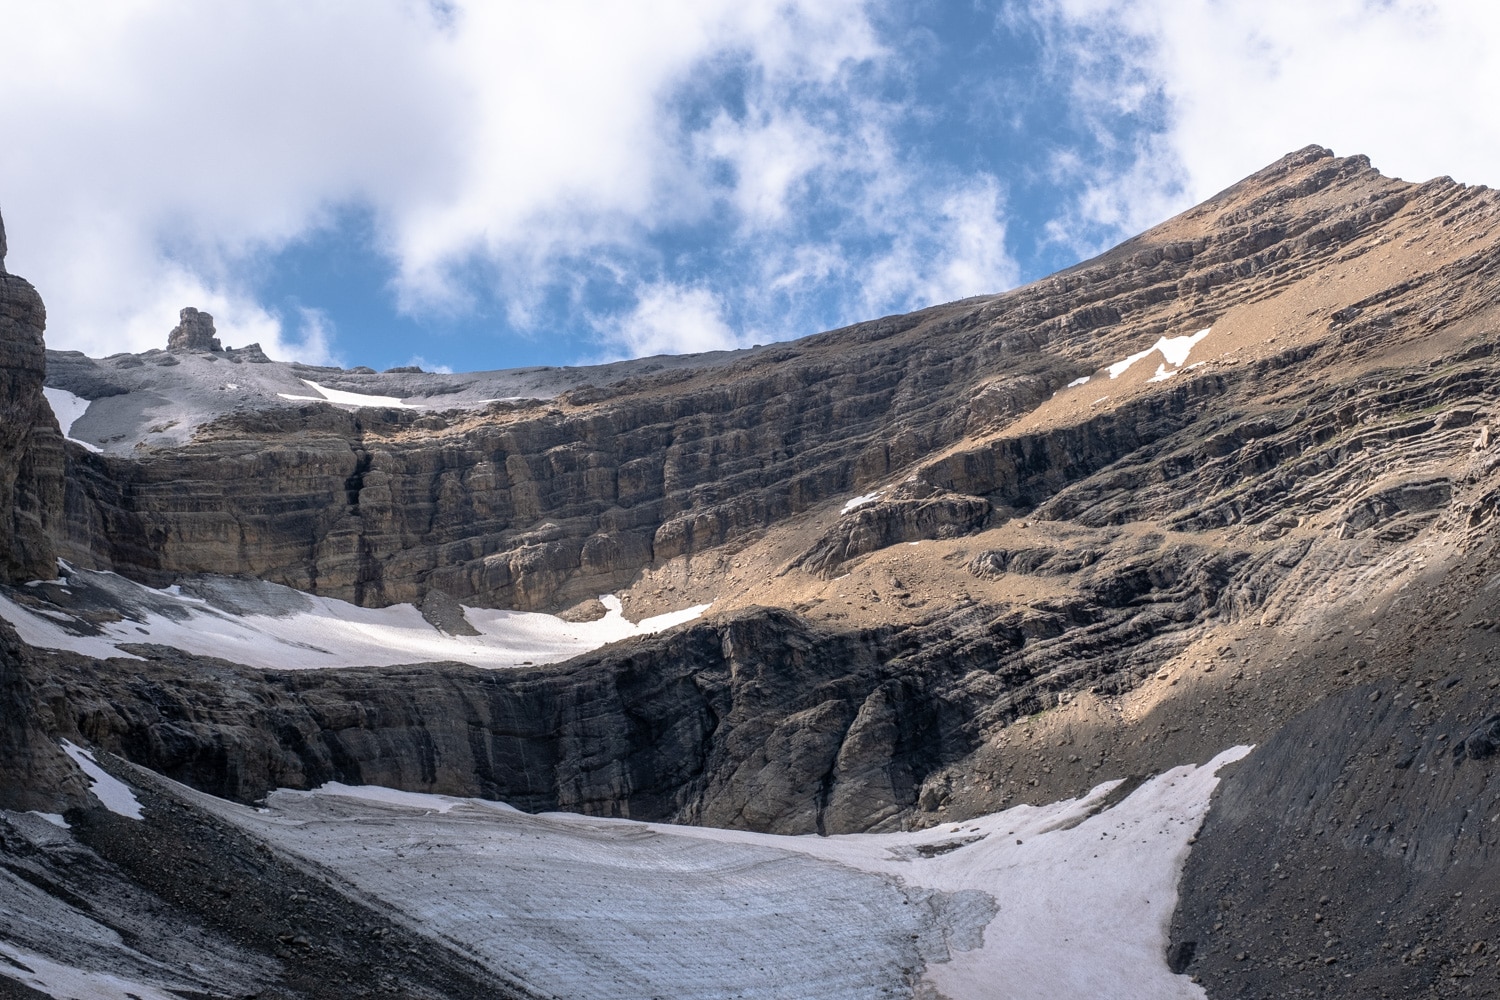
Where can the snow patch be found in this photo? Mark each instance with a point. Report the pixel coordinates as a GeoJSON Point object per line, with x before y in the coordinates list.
{"type": "Point", "coordinates": [35, 630]}
{"type": "Point", "coordinates": [1079, 381]}
{"type": "Point", "coordinates": [67, 408]}
{"type": "Point", "coordinates": [112, 793]}
{"type": "Point", "coordinates": [860, 501]}
{"type": "Point", "coordinates": [344, 398]}
{"type": "Point", "coordinates": [1174, 349]}
{"type": "Point", "coordinates": [64, 982]}
{"type": "Point", "coordinates": [56, 819]}
{"type": "Point", "coordinates": [323, 632]}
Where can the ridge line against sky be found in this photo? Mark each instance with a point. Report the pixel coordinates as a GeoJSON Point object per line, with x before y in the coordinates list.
{"type": "Point", "coordinates": [475, 185]}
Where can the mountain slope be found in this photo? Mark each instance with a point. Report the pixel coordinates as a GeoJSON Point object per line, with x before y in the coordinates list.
{"type": "Point", "coordinates": [1230, 483]}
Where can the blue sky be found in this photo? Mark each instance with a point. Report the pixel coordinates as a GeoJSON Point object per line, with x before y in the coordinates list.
{"type": "Point", "coordinates": [472, 185]}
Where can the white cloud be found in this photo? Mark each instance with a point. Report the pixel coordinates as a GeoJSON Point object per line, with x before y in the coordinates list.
{"type": "Point", "coordinates": [951, 248]}
{"type": "Point", "coordinates": [160, 148]}
{"type": "Point", "coordinates": [671, 319]}
{"type": "Point", "coordinates": [1406, 82]}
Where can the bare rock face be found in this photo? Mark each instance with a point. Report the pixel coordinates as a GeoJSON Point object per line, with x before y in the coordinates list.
{"type": "Point", "coordinates": [908, 516]}
{"type": "Point", "coordinates": [539, 505]}
{"type": "Point", "coordinates": [194, 332]}
{"type": "Point", "coordinates": [34, 774]}
{"type": "Point", "coordinates": [31, 450]}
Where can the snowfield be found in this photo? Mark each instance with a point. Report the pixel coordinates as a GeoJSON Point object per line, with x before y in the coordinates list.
{"type": "Point", "coordinates": [277, 628]}
{"type": "Point", "coordinates": [1070, 900]}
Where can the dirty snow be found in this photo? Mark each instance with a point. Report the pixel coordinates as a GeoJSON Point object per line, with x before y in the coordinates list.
{"type": "Point", "coordinates": [64, 982]}
{"type": "Point", "coordinates": [1058, 901]}
{"type": "Point", "coordinates": [294, 631]}
{"type": "Point", "coordinates": [67, 408]}
{"type": "Point", "coordinates": [860, 501]}
{"type": "Point", "coordinates": [1174, 349]}
{"type": "Point", "coordinates": [111, 792]}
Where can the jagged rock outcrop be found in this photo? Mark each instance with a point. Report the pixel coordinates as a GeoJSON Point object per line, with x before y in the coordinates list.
{"type": "Point", "coordinates": [193, 332]}
{"type": "Point", "coordinates": [909, 515]}
{"type": "Point", "coordinates": [34, 774]}
{"type": "Point", "coordinates": [31, 449]}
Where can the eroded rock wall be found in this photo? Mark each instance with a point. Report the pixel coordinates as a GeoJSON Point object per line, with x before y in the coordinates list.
{"type": "Point", "coordinates": [31, 451]}
{"type": "Point", "coordinates": [539, 505]}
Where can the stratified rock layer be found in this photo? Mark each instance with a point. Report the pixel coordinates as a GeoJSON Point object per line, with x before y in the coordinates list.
{"type": "Point", "coordinates": [31, 456]}
{"type": "Point", "coordinates": [534, 505]}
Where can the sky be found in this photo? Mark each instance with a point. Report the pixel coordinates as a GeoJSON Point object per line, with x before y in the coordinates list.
{"type": "Point", "coordinates": [466, 185]}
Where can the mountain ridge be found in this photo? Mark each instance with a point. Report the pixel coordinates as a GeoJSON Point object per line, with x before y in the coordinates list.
{"type": "Point", "coordinates": [1229, 483]}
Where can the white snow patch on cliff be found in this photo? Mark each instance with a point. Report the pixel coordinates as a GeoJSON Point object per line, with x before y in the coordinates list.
{"type": "Point", "coordinates": [111, 792]}
{"type": "Point", "coordinates": [67, 408]}
{"type": "Point", "coordinates": [324, 632]}
{"type": "Point", "coordinates": [1062, 901]}
{"type": "Point", "coordinates": [860, 501]}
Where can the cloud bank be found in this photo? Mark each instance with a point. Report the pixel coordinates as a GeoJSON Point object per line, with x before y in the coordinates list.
{"type": "Point", "coordinates": [1235, 86]}
{"type": "Point", "coordinates": [159, 152]}
{"type": "Point", "coordinates": [617, 179]}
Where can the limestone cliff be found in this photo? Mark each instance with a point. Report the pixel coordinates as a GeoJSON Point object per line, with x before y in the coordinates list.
{"type": "Point", "coordinates": [31, 456]}
{"type": "Point", "coordinates": [533, 504]}
{"type": "Point", "coordinates": [32, 774]}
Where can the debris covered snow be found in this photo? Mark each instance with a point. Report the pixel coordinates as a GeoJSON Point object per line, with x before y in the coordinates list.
{"type": "Point", "coordinates": [1070, 900]}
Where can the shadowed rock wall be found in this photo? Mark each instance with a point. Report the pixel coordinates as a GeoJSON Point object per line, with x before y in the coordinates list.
{"type": "Point", "coordinates": [31, 453]}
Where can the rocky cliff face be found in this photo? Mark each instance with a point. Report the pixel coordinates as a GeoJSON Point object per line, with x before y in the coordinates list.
{"type": "Point", "coordinates": [1231, 482]}
{"type": "Point", "coordinates": [31, 490]}
{"type": "Point", "coordinates": [193, 332]}
{"type": "Point", "coordinates": [538, 504]}
{"type": "Point", "coordinates": [31, 481]}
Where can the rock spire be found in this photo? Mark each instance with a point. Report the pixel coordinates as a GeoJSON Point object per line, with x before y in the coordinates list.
{"type": "Point", "coordinates": [194, 332]}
